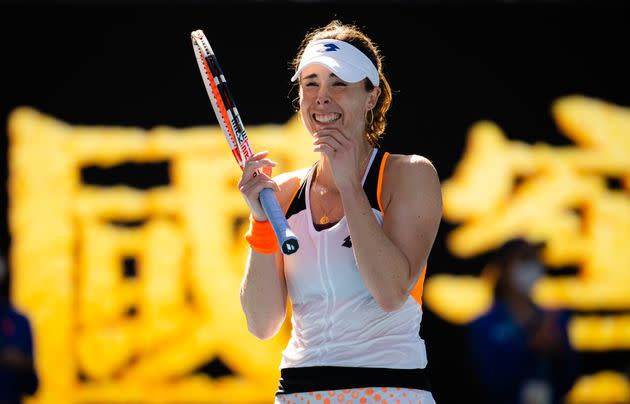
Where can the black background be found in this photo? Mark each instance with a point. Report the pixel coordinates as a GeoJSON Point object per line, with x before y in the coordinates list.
{"type": "Point", "coordinates": [450, 65]}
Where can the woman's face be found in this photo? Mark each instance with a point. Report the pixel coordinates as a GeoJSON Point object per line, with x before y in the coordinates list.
{"type": "Point", "coordinates": [326, 102]}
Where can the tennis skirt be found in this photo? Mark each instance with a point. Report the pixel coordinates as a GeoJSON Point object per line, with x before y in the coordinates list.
{"type": "Point", "coordinates": [364, 395]}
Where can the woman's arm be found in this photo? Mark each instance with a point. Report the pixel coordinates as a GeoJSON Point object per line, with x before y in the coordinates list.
{"type": "Point", "coordinates": [264, 289]}
{"type": "Point", "coordinates": [390, 257]}
{"type": "Point", "coordinates": [264, 293]}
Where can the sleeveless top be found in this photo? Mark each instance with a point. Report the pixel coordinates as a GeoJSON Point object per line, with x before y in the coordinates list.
{"type": "Point", "coordinates": [336, 321]}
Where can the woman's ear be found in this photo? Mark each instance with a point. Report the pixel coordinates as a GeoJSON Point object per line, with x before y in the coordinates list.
{"type": "Point", "coordinates": [373, 98]}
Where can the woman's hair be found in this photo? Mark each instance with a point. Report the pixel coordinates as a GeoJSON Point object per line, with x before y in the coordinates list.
{"type": "Point", "coordinates": [354, 36]}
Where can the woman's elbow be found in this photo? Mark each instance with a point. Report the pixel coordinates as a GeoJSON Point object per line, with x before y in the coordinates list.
{"type": "Point", "coordinates": [263, 332]}
{"type": "Point", "coordinates": [393, 301]}
{"type": "Point", "coordinates": [259, 332]}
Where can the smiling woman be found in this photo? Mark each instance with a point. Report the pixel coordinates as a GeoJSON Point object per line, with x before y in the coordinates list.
{"type": "Point", "coordinates": [357, 59]}
{"type": "Point", "coordinates": [368, 220]}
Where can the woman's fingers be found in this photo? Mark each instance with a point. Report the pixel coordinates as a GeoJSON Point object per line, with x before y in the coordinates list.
{"type": "Point", "coordinates": [259, 155]}
{"type": "Point", "coordinates": [327, 144]}
{"type": "Point", "coordinates": [251, 166]}
{"type": "Point", "coordinates": [329, 141]}
{"type": "Point", "coordinates": [338, 135]}
{"type": "Point", "coordinates": [335, 140]}
{"type": "Point", "coordinates": [256, 157]}
{"type": "Point", "coordinates": [251, 169]}
{"type": "Point", "coordinates": [247, 182]}
{"type": "Point", "coordinates": [255, 177]}
{"type": "Point", "coordinates": [325, 148]}
{"type": "Point", "coordinates": [251, 189]}
{"type": "Point", "coordinates": [251, 192]}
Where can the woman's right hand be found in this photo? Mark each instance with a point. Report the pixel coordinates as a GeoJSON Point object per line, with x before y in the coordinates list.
{"type": "Point", "coordinates": [252, 183]}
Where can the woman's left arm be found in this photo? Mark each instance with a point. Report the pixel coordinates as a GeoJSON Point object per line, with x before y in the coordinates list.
{"type": "Point", "coordinates": [390, 257]}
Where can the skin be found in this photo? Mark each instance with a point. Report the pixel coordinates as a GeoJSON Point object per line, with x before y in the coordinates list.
{"type": "Point", "coordinates": [390, 258]}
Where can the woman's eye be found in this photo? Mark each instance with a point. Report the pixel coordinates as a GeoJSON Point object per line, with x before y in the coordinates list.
{"type": "Point", "coordinates": [311, 84]}
{"type": "Point", "coordinates": [339, 84]}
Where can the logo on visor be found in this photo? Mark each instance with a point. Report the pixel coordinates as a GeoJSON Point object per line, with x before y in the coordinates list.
{"type": "Point", "coordinates": [329, 47]}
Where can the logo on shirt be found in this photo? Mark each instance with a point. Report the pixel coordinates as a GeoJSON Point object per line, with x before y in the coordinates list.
{"type": "Point", "coordinates": [347, 242]}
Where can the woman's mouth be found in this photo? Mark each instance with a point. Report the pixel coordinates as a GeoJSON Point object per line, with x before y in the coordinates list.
{"type": "Point", "coordinates": [327, 118]}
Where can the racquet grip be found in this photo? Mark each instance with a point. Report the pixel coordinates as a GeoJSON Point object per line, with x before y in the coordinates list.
{"type": "Point", "coordinates": [286, 238]}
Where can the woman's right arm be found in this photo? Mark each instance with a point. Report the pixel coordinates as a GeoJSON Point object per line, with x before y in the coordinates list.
{"type": "Point", "coordinates": [264, 288]}
{"type": "Point", "coordinates": [264, 294]}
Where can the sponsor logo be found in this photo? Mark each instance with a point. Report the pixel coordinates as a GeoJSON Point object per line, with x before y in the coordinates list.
{"type": "Point", "coordinates": [329, 47]}
{"type": "Point", "coordinates": [347, 242]}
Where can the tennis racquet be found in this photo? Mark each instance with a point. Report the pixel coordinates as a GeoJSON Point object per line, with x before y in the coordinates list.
{"type": "Point", "coordinates": [232, 126]}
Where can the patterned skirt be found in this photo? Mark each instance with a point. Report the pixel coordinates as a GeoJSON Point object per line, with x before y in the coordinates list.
{"type": "Point", "coordinates": [380, 395]}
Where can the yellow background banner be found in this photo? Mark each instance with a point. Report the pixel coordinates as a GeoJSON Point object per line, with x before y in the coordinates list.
{"type": "Point", "coordinates": [101, 336]}
{"type": "Point", "coordinates": [104, 336]}
{"type": "Point", "coordinates": [504, 189]}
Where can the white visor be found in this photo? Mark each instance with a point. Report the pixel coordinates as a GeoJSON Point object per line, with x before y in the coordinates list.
{"type": "Point", "coordinates": [344, 60]}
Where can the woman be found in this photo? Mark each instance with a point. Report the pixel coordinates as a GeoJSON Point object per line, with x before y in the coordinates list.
{"type": "Point", "coordinates": [366, 221]}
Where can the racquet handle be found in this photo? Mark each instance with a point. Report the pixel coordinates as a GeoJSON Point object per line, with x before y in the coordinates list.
{"type": "Point", "coordinates": [286, 238]}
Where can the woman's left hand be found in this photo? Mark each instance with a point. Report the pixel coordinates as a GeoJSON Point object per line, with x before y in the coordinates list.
{"type": "Point", "coordinates": [343, 153]}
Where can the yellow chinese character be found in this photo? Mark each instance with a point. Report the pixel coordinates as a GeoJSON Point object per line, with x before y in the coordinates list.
{"type": "Point", "coordinates": [504, 189]}
{"type": "Point", "coordinates": [103, 335]}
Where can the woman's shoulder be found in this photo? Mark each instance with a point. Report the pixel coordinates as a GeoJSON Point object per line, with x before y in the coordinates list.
{"type": "Point", "coordinates": [410, 176]}
{"type": "Point", "coordinates": [410, 167]}
{"type": "Point", "coordinates": [291, 178]}
{"type": "Point", "coordinates": [289, 182]}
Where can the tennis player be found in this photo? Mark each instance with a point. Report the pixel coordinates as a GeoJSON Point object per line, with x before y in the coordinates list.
{"type": "Point", "coordinates": [366, 221]}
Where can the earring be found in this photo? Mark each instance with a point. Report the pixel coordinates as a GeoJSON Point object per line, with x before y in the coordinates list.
{"type": "Point", "coordinates": [296, 104]}
{"type": "Point", "coordinates": [371, 120]}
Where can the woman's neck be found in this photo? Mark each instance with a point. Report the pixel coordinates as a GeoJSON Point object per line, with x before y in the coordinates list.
{"type": "Point", "coordinates": [323, 175]}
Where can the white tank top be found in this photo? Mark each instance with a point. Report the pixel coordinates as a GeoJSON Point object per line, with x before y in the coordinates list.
{"type": "Point", "coordinates": [336, 321]}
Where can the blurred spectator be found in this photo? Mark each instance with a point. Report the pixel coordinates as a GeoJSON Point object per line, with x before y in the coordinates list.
{"type": "Point", "coordinates": [520, 351]}
{"type": "Point", "coordinates": [17, 372]}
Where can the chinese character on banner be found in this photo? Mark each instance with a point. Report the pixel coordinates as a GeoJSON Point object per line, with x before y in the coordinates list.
{"type": "Point", "coordinates": [573, 199]}
{"type": "Point", "coordinates": [132, 291]}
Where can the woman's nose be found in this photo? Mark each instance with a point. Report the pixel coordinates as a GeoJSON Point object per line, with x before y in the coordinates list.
{"type": "Point", "coordinates": [322, 96]}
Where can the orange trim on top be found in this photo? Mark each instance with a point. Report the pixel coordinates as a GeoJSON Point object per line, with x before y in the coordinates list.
{"type": "Point", "coordinates": [379, 187]}
{"type": "Point", "coordinates": [416, 293]}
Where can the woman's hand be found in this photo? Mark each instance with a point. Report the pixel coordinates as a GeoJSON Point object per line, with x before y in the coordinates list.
{"type": "Point", "coordinates": [252, 183]}
{"type": "Point", "coordinates": [343, 153]}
